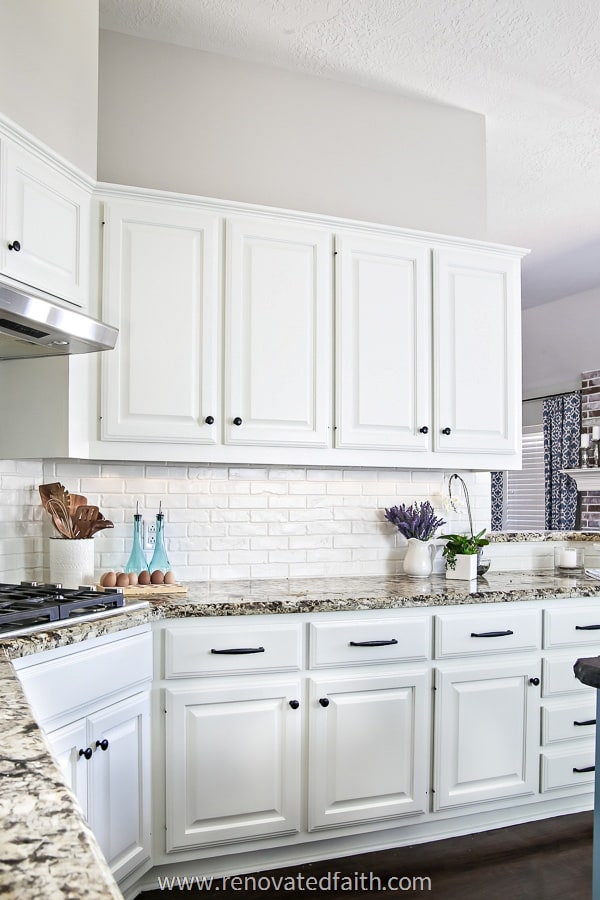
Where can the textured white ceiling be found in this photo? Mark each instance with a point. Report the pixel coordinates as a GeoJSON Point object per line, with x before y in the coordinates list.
{"type": "Point", "coordinates": [532, 67]}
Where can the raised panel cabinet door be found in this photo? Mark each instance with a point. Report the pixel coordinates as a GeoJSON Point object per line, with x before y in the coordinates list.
{"type": "Point", "coordinates": [278, 302]}
{"type": "Point", "coordinates": [73, 754]}
{"type": "Point", "coordinates": [477, 352]}
{"type": "Point", "coordinates": [232, 763]}
{"type": "Point", "coordinates": [161, 289]}
{"type": "Point", "coordinates": [368, 748]}
{"type": "Point", "coordinates": [119, 797]}
{"type": "Point", "coordinates": [47, 217]}
{"type": "Point", "coordinates": [486, 733]}
{"type": "Point", "coordinates": [383, 344]}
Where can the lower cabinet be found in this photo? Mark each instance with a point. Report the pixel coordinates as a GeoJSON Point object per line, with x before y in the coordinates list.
{"type": "Point", "coordinates": [233, 757]}
{"type": "Point", "coordinates": [486, 732]}
{"type": "Point", "coordinates": [106, 760]}
{"type": "Point", "coordinates": [93, 701]}
{"type": "Point", "coordinates": [368, 747]}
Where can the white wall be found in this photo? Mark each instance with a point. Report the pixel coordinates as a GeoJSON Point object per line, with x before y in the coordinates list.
{"type": "Point", "coordinates": [560, 341]}
{"type": "Point", "coordinates": [49, 74]}
{"type": "Point", "coordinates": [183, 120]}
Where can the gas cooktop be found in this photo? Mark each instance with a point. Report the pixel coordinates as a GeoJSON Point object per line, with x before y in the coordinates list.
{"type": "Point", "coordinates": [29, 606]}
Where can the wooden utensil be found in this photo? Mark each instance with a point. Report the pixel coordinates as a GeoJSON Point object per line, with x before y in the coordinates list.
{"type": "Point", "coordinates": [83, 519]}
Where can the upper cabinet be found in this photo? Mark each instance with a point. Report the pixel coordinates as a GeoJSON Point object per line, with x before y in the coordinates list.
{"type": "Point", "coordinates": [161, 290]}
{"type": "Point", "coordinates": [44, 224]}
{"type": "Point", "coordinates": [476, 352]}
{"type": "Point", "coordinates": [383, 344]}
{"type": "Point", "coordinates": [277, 334]}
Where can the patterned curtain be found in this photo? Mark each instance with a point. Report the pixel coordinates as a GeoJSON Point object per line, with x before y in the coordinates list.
{"type": "Point", "coordinates": [497, 501]}
{"type": "Point", "coordinates": [562, 425]}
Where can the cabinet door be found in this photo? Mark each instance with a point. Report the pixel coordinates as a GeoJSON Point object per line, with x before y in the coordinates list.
{"type": "Point", "coordinates": [477, 352]}
{"type": "Point", "coordinates": [119, 797]}
{"type": "Point", "coordinates": [233, 763]}
{"type": "Point", "coordinates": [48, 216]}
{"type": "Point", "coordinates": [69, 745]}
{"type": "Point", "coordinates": [383, 347]}
{"type": "Point", "coordinates": [161, 291]}
{"type": "Point", "coordinates": [368, 748]}
{"type": "Point", "coordinates": [486, 733]}
{"type": "Point", "coordinates": [278, 334]}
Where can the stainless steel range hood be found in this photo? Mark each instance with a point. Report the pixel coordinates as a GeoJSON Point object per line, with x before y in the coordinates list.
{"type": "Point", "coordinates": [33, 324]}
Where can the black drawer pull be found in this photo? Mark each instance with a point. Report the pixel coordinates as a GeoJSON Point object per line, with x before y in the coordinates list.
{"type": "Point", "coordinates": [587, 769]}
{"type": "Point", "coordinates": [234, 651]}
{"type": "Point", "coordinates": [587, 722]}
{"type": "Point", "coordinates": [587, 628]}
{"type": "Point", "coordinates": [373, 643]}
{"type": "Point", "coordinates": [88, 752]}
{"type": "Point", "coordinates": [492, 633]}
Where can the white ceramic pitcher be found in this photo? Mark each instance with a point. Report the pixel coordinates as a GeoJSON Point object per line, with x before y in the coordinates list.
{"type": "Point", "coordinates": [418, 562]}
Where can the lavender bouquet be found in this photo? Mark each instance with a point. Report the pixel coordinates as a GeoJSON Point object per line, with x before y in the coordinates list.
{"type": "Point", "coordinates": [415, 521]}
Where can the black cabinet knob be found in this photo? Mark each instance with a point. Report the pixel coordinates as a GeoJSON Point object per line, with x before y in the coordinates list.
{"type": "Point", "coordinates": [103, 744]}
{"type": "Point", "coordinates": [446, 431]}
{"type": "Point", "coordinates": [210, 420]}
{"type": "Point", "coordinates": [237, 421]}
{"type": "Point", "coordinates": [16, 246]}
{"type": "Point", "coordinates": [534, 681]}
{"type": "Point", "coordinates": [294, 704]}
{"type": "Point", "coordinates": [324, 701]}
{"type": "Point", "coordinates": [87, 752]}
{"type": "Point", "coordinates": [424, 429]}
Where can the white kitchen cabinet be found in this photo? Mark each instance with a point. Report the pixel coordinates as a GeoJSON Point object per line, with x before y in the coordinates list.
{"type": "Point", "coordinates": [486, 732]}
{"type": "Point", "coordinates": [45, 224]}
{"type": "Point", "coordinates": [113, 785]}
{"type": "Point", "coordinates": [93, 701]}
{"type": "Point", "coordinates": [161, 289]}
{"type": "Point", "coordinates": [476, 352]}
{"type": "Point", "coordinates": [233, 754]}
{"type": "Point", "coordinates": [368, 747]}
{"type": "Point", "coordinates": [383, 344]}
{"type": "Point", "coordinates": [277, 333]}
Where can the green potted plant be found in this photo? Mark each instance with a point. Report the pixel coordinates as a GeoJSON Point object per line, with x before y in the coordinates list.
{"type": "Point", "coordinates": [460, 554]}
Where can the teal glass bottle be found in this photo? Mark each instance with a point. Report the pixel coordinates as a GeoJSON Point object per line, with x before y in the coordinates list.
{"type": "Point", "coordinates": [137, 558]}
{"type": "Point", "coordinates": [160, 560]}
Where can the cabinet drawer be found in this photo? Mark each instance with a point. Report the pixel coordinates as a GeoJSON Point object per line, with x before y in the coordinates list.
{"type": "Point", "coordinates": [558, 677]}
{"type": "Point", "coordinates": [557, 768]}
{"type": "Point", "coordinates": [202, 649]}
{"type": "Point", "coordinates": [569, 627]}
{"type": "Point", "coordinates": [486, 632]}
{"type": "Point", "coordinates": [569, 721]}
{"type": "Point", "coordinates": [370, 641]}
{"type": "Point", "coordinates": [81, 679]}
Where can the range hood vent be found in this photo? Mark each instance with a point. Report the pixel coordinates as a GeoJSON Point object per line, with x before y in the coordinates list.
{"type": "Point", "coordinates": [32, 324]}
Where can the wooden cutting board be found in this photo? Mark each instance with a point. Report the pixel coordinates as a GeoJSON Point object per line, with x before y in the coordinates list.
{"type": "Point", "coordinates": [149, 590]}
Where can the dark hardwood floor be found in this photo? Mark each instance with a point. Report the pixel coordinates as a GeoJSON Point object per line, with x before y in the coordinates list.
{"type": "Point", "coordinates": [547, 860]}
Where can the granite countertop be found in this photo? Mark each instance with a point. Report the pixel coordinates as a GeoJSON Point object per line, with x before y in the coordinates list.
{"type": "Point", "coordinates": [47, 850]}
{"type": "Point", "coordinates": [506, 537]}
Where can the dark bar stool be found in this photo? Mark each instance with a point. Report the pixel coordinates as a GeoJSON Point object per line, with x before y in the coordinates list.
{"type": "Point", "coordinates": [588, 672]}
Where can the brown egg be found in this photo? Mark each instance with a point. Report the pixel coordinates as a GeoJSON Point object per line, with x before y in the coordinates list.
{"type": "Point", "coordinates": [157, 577]}
{"type": "Point", "coordinates": [144, 577]}
{"type": "Point", "coordinates": [170, 577]}
{"type": "Point", "coordinates": [109, 579]}
{"type": "Point", "coordinates": [133, 579]}
{"type": "Point", "coordinates": [122, 579]}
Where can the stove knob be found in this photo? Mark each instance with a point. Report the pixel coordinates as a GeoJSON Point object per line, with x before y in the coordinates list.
{"type": "Point", "coordinates": [103, 744]}
{"type": "Point", "coordinates": [87, 752]}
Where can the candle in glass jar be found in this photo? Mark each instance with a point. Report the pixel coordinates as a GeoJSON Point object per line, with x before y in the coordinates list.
{"type": "Point", "coordinates": [568, 559]}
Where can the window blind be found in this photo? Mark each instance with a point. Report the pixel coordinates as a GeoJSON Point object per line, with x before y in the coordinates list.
{"type": "Point", "coordinates": [524, 502]}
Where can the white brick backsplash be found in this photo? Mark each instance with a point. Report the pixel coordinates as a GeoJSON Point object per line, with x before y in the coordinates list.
{"type": "Point", "coordinates": [240, 521]}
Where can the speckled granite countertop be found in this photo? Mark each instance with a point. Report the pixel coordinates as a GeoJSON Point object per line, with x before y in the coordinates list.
{"type": "Point", "coordinates": [508, 537]}
{"type": "Point", "coordinates": [46, 848]}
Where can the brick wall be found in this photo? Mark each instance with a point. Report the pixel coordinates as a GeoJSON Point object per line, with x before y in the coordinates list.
{"type": "Point", "coordinates": [590, 415]}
